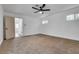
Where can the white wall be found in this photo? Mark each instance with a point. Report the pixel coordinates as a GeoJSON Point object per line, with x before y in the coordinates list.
{"type": "Point", "coordinates": [12, 14]}
{"type": "Point", "coordinates": [1, 24]}
{"type": "Point", "coordinates": [31, 25]}
{"type": "Point", "coordinates": [58, 26]}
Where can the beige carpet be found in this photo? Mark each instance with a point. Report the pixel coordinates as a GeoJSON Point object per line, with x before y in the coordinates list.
{"type": "Point", "coordinates": [39, 44]}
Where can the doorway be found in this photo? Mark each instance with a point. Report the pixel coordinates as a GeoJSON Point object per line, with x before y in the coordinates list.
{"type": "Point", "coordinates": [18, 27]}
{"type": "Point", "coordinates": [12, 27]}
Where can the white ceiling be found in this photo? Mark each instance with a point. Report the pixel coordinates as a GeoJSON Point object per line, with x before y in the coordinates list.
{"type": "Point", "coordinates": [26, 9]}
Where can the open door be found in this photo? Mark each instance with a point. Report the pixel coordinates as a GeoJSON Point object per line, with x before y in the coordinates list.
{"type": "Point", "coordinates": [9, 27]}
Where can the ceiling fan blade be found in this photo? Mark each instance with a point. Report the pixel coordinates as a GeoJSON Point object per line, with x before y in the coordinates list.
{"type": "Point", "coordinates": [43, 6]}
{"type": "Point", "coordinates": [46, 10]}
{"type": "Point", "coordinates": [35, 8]}
{"type": "Point", "coordinates": [36, 11]}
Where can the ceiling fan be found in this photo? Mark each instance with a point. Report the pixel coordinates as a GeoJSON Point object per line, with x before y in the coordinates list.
{"type": "Point", "coordinates": [40, 9]}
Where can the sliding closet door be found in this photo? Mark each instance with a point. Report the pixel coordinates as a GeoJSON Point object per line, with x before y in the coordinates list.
{"type": "Point", "coordinates": [9, 27]}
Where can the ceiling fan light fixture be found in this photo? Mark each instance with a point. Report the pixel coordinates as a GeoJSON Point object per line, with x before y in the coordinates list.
{"type": "Point", "coordinates": [40, 12]}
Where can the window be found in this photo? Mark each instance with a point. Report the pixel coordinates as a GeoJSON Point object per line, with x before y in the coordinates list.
{"type": "Point", "coordinates": [70, 17]}
{"type": "Point", "coordinates": [44, 21]}
{"type": "Point", "coordinates": [77, 16]}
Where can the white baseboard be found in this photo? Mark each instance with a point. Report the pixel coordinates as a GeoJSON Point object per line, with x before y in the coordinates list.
{"type": "Point", "coordinates": [65, 37]}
